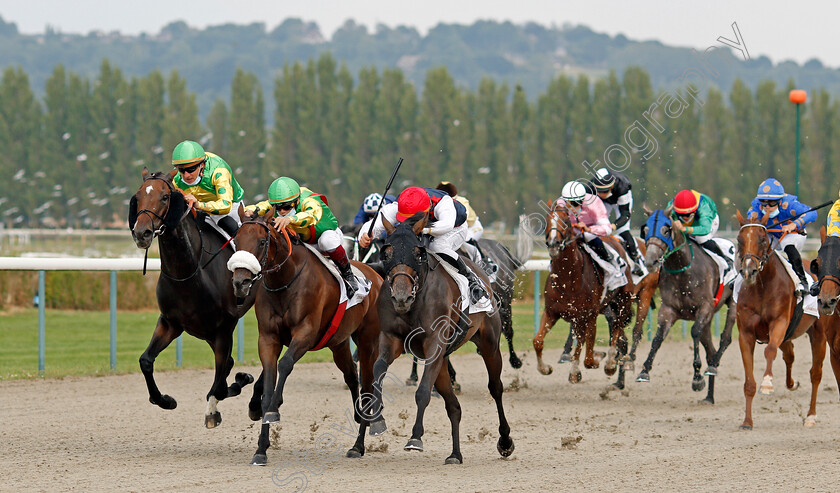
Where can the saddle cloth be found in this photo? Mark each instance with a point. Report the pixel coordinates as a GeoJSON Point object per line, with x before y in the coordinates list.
{"type": "Point", "coordinates": [361, 280]}
{"type": "Point", "coordinates": [809, 307]}
{"type": "Point", "coordinates": [726, 274]}
{"type": "Point", "coordinates": [645, 272]}
{"type": "Point", "coordinates": [485, 304]}
{"type": "Point", "coordinates": [614, 277]}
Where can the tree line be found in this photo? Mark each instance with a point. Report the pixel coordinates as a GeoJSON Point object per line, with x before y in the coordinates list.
{"type": "Point", "coordinates": [73, 157]}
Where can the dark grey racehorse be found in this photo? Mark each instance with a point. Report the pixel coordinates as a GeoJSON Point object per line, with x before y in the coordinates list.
{"type": "Point", "coordinates": [688, 285]}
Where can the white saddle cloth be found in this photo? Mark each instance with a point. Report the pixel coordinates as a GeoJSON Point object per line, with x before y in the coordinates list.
{"type": "Point", "coordinates": [809, 307]}
{"type": "Point", "coordinates": [485, 304]}
{"type": "Point", "coordinates": [362, 281]}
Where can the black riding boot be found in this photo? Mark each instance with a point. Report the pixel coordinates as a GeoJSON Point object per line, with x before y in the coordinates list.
{"type": "Point", "coordinates": [487, 263]}
{"type": "Point", "coordinates": [339, 256]}
{"type": "Point", "coordinates": [477, 290]}
{"type": "Point", "coordinates": [633, 252]}
{"type": "Point", "coordinates": [598, 245]}
{"type": "Point", "coordinates": [229, 226]}
{"type": "Point", "coordinates": [712, 246]}
{"type": "Point", "coordinates": [796, 262]}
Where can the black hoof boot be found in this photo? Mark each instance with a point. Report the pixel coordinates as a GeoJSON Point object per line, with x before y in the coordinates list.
{"type": "Point", "coordinates": [259, 460]}
{"type": "Point", "coordinates": [698, 385]}
{"type": "Point", "coordinates": [453, 459]}
{"type": "Point", "coordinates": [644, 377]}
{"type": "Point", "coordinates": [515, 362]}
{"type": "Point", "coordinates": [565, 358]}
{"type": "Point", "coordinates": [166, 402]}
{"type": "Point", "coordinates": [414, 444]}
{"type": "Point", "coordinates": [377, 428]}
{"type": "Point", "coordinates": [355, 453]}
{"type": "Point", "coordinates": [505, 449]}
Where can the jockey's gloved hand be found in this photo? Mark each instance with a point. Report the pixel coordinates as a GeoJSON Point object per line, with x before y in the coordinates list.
{"type": "Point", "coordinates": [815, 289]}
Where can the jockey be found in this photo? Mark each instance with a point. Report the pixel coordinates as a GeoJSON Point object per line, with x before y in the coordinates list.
{"type": "Point", "coordinates": [614, 190]}
{"type": "Point", "coordinates": [588, 214]}
{"type": "Point", "coordinates": [695, 214]}
{"type": "Point", "coordinates": [474, 229]}
{"type": "Point", "coordinates": [208, 185]}
{"type": "Point", "coordinates": [369, 206]}
{"type": "Point", "coordinates": [308, 214]}
{"type": "Point", "coordinates": [786, 211]}
{"type": "Point", "coordinates": [447, 227]}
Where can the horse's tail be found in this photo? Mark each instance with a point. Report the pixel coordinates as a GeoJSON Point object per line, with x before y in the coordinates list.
{"type": "Point", "coordinates": [524, 243]}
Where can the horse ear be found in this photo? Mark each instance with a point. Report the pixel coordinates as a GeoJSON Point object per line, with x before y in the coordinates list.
{"type": "Point", "coordinates": [646, 209]}
{"type": "Point", "coordinates": [823, 234]}
{"type": "Point", "coordinates": [177, 207]}
{"type": "Point", "coordinates": [389, 228]}
{"type": "Point", "coordinates": [145, 172]}
{"type": "Point", "coordinates": [668, 210]}
{"type": "Point", "coordinates": [815, 266]}
{"type": "Point", "coordinates": [765, 219]}
{"type": "Point", "coordinates": [420, 224]}
{"type": "Point", "coordinates": [132, 212]}
{"type": "Point", "coordinates": [172, 174]}
{"type": "Point", "coordinates": [740, 217]}
{"type": "Point", "coordinates": [644, 231]}
{"type": "Point", "coordinates": [269, 214]}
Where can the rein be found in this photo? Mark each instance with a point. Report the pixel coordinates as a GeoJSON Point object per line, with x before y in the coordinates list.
{"type": "Point", "coordinates": [673, 251]}
{"type": "Point", "coordinates": [275, 267]}
{"type": "Point", "coordinates": [766, 257]}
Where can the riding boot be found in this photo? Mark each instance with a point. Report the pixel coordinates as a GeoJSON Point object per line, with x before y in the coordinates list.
{"type": "Point", "coordinates": [633, 252]}
{"type": "Point", "coordinates": [597, 244]}
{"type": "Point", "coordinates": [476, 288]}
{"type": "Point", "coordinates": [486, 263]}
{"type": "Point", "coordinates": [712, 246]}
{"type": "Point", "coordinates": [796, 262]}
{"type": "Point", "coordinates": [339, 256]}
{"type": "Point", "coordinates": [229, 226]}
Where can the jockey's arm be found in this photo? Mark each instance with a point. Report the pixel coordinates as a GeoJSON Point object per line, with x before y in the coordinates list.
{"type": "Point", "coordinates": [624, 209]}
{"type": "Point", "coordinates": [755, 208]}
{"type": "Point", "coordinates": [802, 220]}
{"type": "Point", "coordinates": [309, 215]}
{"type": "Point", "coordinates": [701, 227]}
{"type": "Point", "coordinates": [832, 222]}
{"type": "Point", "coordinates": [389, 212]}
{"type": "Point", "coordinates": [224, 194]}
{"type": "Point", "coordinates": [260, 208]}
{"type": "Point", "coordinates": [445, 214]}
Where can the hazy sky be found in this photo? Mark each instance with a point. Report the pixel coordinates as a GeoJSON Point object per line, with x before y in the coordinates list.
{"type": "Point", "coordinates": [779, 29]}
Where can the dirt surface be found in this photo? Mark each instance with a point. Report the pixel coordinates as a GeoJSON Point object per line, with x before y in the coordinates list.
{"type": "Point", "coordinates": [101, 434]}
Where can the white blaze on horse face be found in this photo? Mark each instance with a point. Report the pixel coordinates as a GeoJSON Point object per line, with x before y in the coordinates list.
{"type": "Point", "coordinates": [149, 189]}
{"type": "Point", "coordinates": [553, 227]}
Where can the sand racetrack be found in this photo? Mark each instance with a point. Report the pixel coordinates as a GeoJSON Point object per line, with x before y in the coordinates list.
{"type": "Point", "coordinates": [101, 434]}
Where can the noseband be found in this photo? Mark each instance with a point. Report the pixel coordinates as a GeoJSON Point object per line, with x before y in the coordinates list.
{"type": "Point", "coordinates": [264, 257]}
{"type": "Point", "coordinates": [761, 260]}
{"type": "Point", "coordinates": [162, 228]}
{"type": "Point", "coordinates": [560, 231]}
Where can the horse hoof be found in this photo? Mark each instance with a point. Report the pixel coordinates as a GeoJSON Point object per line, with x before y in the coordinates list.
{"type": "Point", "coordinates": [213, 420]}
{"type": "Point", "coordinates": [811, 421]}
{"type": "Point", "coordinates": [711, 371]}
{"type": "Point", "coordinates": [166, 402]}
{"type": "Point", "coordinates": [505, 451]}
{"type": "Point", "coordinates": [619, 386]}
{"type": "Point", "coordinates": [456, 388]}
{"type": "Point", "coordinates": [698, 385]}
{"type": "Point", "coordinates": [629, 366]}
{"type": "Point", "coordinates": [353, 453]}
{"type": "Point", "coordinates": [259, 460]}
{"type": "Point", "coordinates": [794, 386]}
{"type": "Point", "coordinates": [766, 386]}
{"type": "Point", "coordinates": [377, 428]}
{"type": "Point", "coordinates": [575, 377]}
{"type": "Point", "coordinates": [414, 444]}
{"type": "Point", "coordinates": [610, 368]}
{"type": "Point", "coordinates": [746, 427]}
{"type": "Point", "coordinates": [244, 379]}
{"type": "Point", "coordinates": [255, 414]}
{"type": "Point", "coordinates": [546, 370]}
{"type": "Point", "coordinates": [271, 418]}
{"type": "Point", "coordinates": [410, 382]}
{"type": "Point", "coordinates": [708, 400]}
{"type": "Point", "coordinates": [515, 362]}
{"type": "Point", "coordinates": [452, 460]}
{"type": "Point", "coordinates": [565, 358]}
{"type": "Point", "coordinates": [644, 377]}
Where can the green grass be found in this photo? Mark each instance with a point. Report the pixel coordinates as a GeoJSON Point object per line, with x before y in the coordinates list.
{"type": "Point", "coordinates": [77, 342]}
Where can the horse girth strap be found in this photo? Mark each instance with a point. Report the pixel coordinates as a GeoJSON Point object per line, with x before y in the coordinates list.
{"type": "Point", "coordinates": [794, 321]}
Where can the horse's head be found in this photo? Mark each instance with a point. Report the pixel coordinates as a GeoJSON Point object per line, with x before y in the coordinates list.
{"type": "Point", "coordinates": [405, 260]}
{"type": "Point", "coordinates": [827, 268]}
{"type": "Point", "coordinates": [156, 207]}
{"type": "Point", "coordinates": [257, 246]}
{"type": "Point", "coordinates": [658, 238]}
{"type": "Point", "coordinates": [559, 232]}
{"type": "Point", "coordinates": [754, 246]}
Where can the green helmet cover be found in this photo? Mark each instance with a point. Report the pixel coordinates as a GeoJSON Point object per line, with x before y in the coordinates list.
{"type": "Point", "coordinates": [188, 153]}
{"type": "Point", "coordinates": [283, 189]}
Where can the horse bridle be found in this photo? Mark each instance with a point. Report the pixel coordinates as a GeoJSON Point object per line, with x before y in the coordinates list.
{"type": "Point", "coordinates": [763, 259]}
{"type": "Point", "coordinates": [560, 231]}
{"type": "Point", "coordinates": [264, 257]}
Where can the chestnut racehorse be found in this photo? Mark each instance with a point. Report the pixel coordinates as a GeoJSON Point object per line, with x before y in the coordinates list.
{"type": "Point", "coordinates": [766, 313]}
{"type": "Point", "coordinates": [827, 267]}
{"type": "Point", "coordinates": [574, 291]}
{"type": "Point", "coordinates": [295, 307]}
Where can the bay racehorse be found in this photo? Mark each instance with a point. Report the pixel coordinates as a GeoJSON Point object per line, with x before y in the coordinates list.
{"type": "Point", "coordinates": [574, 291]}
{"type": "Point", "coordinates": [767, 312]}
{"type": "Point", "coordinates": [827, 267]}
{"type": "Point", "coordinates": [689, 289]}
{"type": "Point", "coordinates": [193, 290]}
{"type": "Point", "coordinates": [420, 313]}
{"type": "Point", "coordinates": [297, 306]}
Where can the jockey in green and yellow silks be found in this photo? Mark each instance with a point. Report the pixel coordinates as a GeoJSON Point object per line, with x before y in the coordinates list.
{"type": "Point", "coordinates": [308, 214]}
{"type": "Point", "coordinates": [208, 184]}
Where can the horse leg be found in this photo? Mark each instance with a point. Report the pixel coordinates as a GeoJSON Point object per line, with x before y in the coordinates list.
{"type": "Point", "coordinates": [567, 347]}
{"type": "Point", "coordinates": [443, 384]}
{"type": "Point", "coordinates": [224, 363]}
{"type": "Point", "coordinates": [789, 357]}
{"type": "Point", "coordinates": [269, 349]}
{"type": "Point", "coordinates": [343, 359]}
{"type": "Point", "coordinates": [506, 314]}
{"type": "Point", "coordinates": [366, 351]}
{"type": "Point", "coordinates": [665, 319]}
{"type": "Point", "coordinates": [642, 310]}
{"type": "Point", "coordinates": [746, 340]}
{"type": "Point", "coordinates": [611, 364]}
{"type": "Point", "coordinates": [255, 404]}
{"type": "Point", "coordinates": [412, 379]}
{"type": "Point", "coordinates": [725, 337]}
{"type": "Point", "coordinates": [590, 327]}
{"type": "Point", "coordinates": [424, 392]}
{"type": "Point", "coordinates": [390, 348]}
{"type": "Point", "coordinates": [493, 362]}
{"type": "Point", "coordinates": [546, 323]}
{"type": "Point", "coordinates": [575, 376]}
{"type": "Point", "coordinates": [777, 334]}
{"type": "Point", "coordinates": [163, 335]}
{"type": "Point", "coordinates": [817, 338]}
{"type": "Point", "coordinates": [699, 330]}
{"type": "Point", "coordinates": [833, 338]}
{"type": "Point", "coordinates": [456, 387]}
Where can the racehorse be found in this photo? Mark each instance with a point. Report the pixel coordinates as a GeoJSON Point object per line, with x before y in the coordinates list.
{"type": "Point", "coordinates": [302, 312]}
{"type": "Point", "coordinates": [420, 311]}
{"type": "Point", "coordinates": [767, 312]}
{"type": "Point", "coordinates": [574, 291]}
{"type": "Point", "coordinates": [827, 267]}
{"type": "Point", "coordinates": [193, 291]}
{"type": "Point", "coordinates": [690, 290]}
